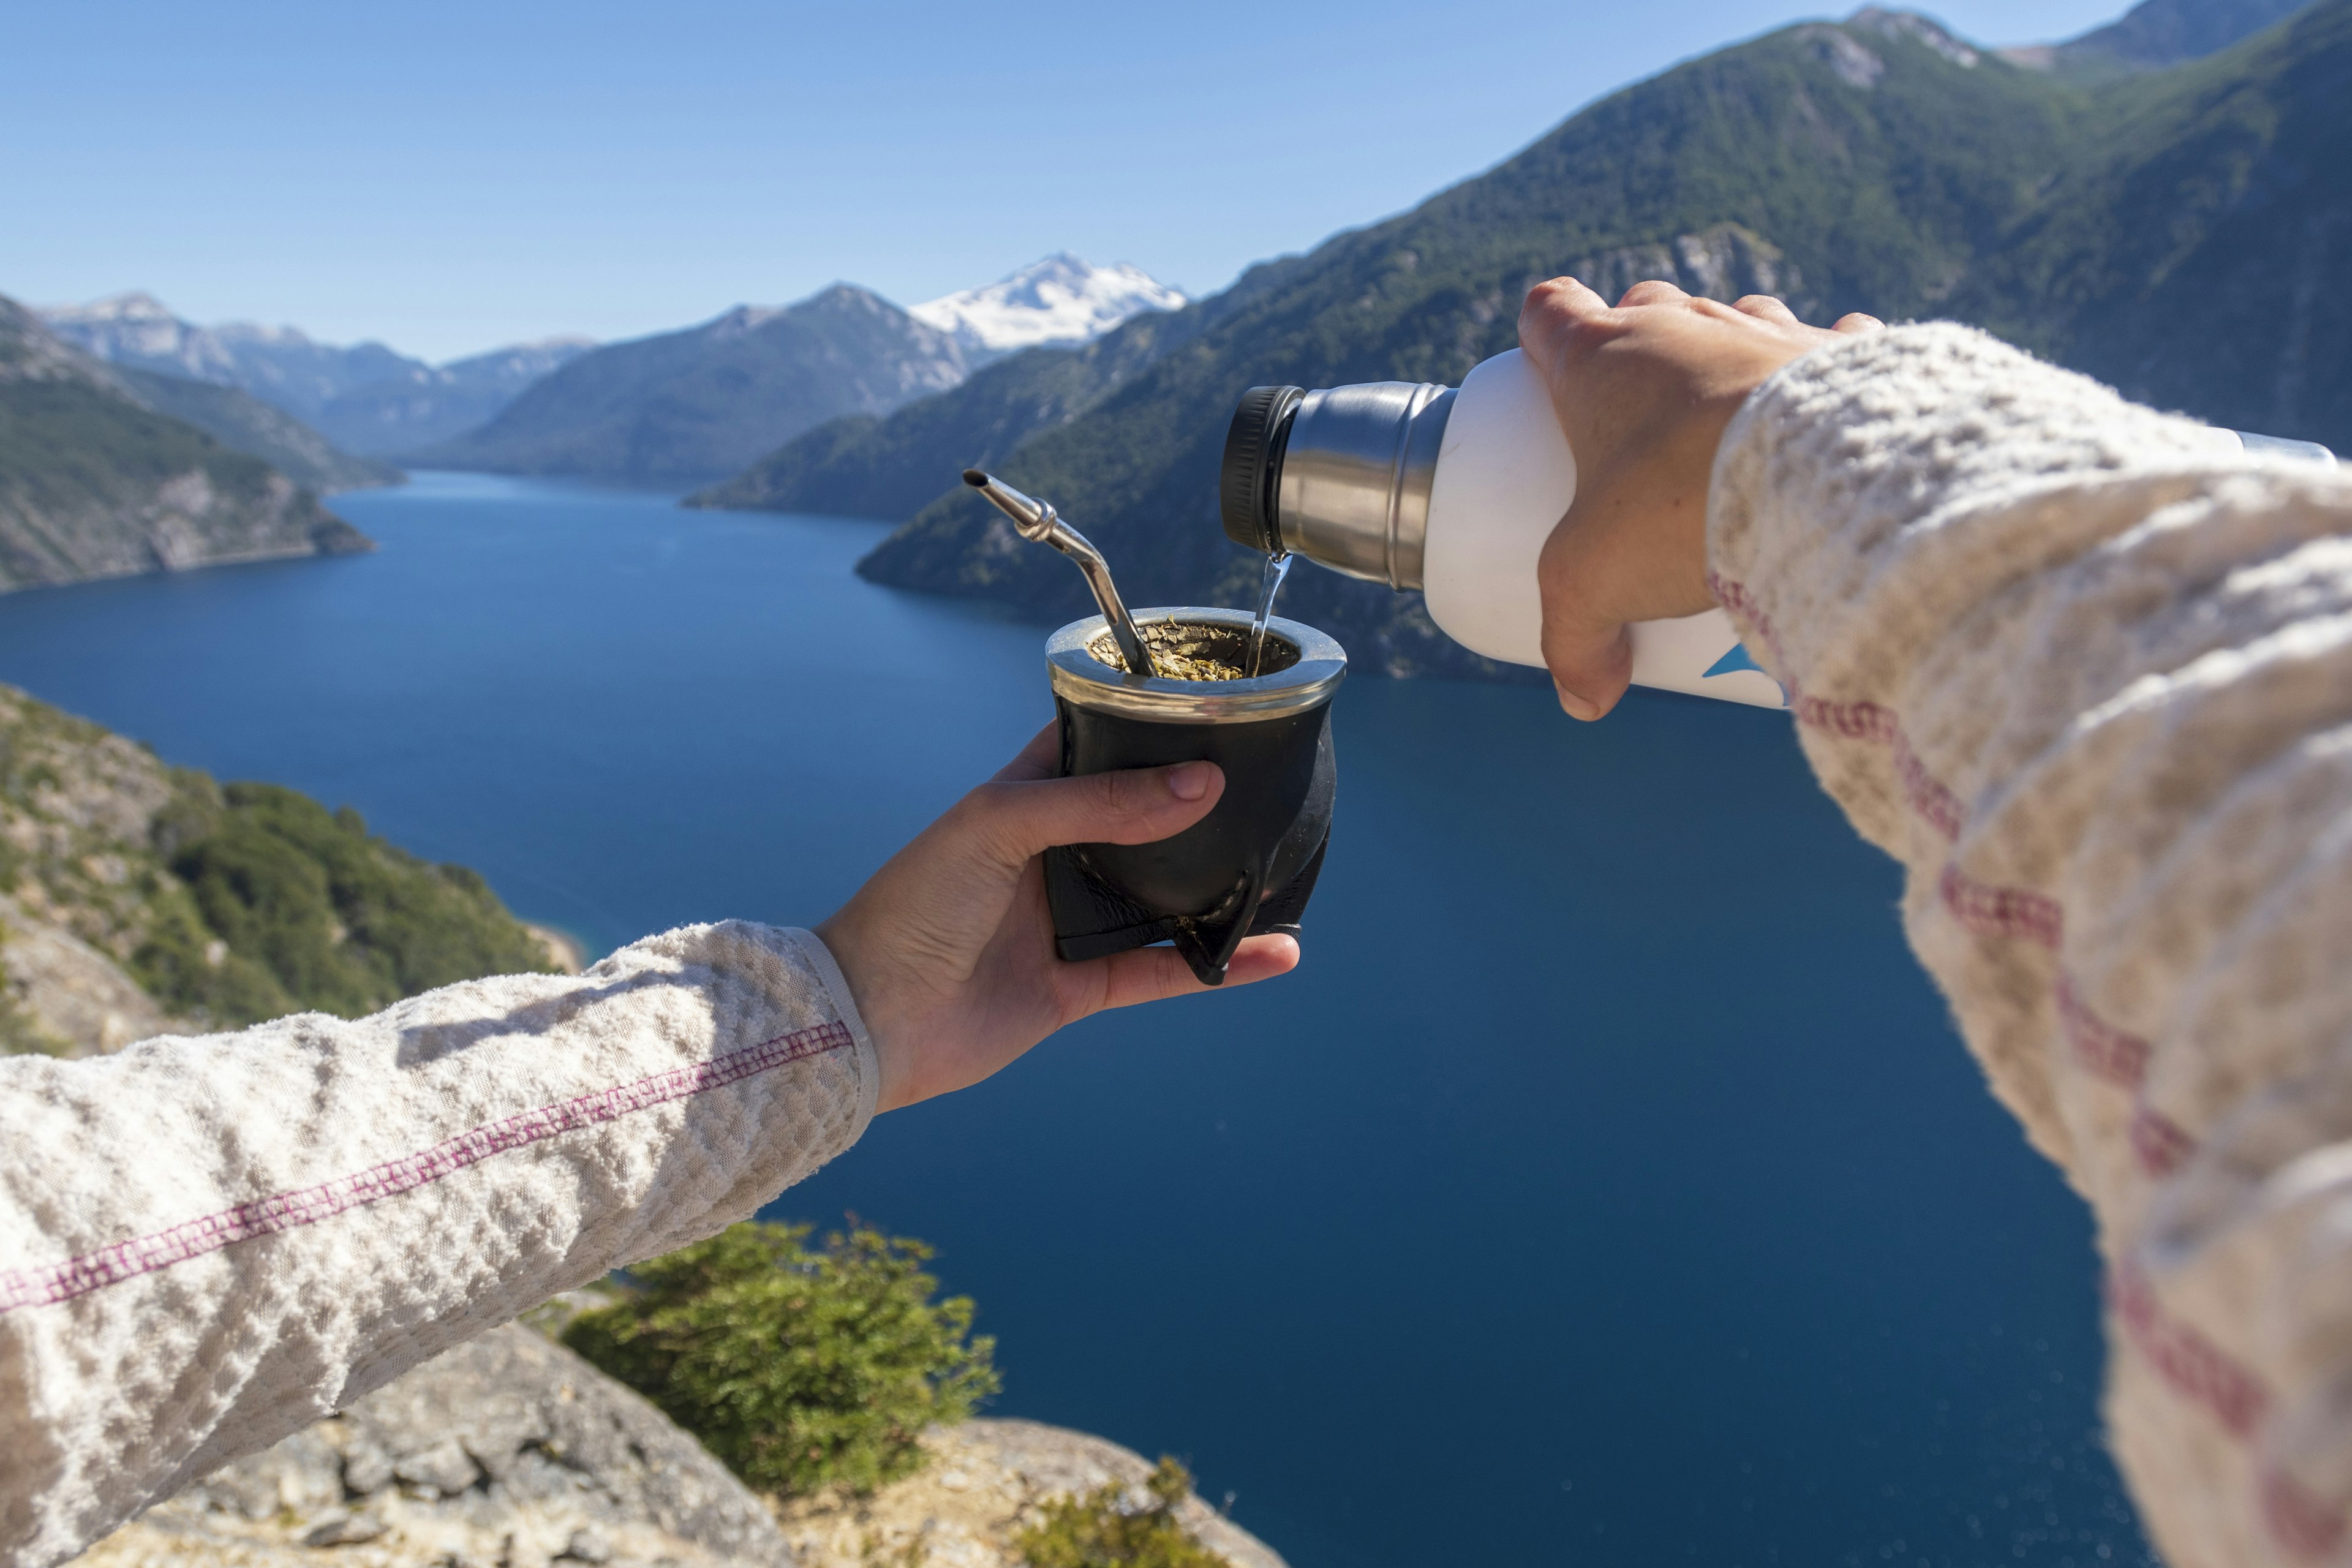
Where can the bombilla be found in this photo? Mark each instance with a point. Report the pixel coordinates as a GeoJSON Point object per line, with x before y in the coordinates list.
{"type": "Point", "coordinates": [1037, 522]}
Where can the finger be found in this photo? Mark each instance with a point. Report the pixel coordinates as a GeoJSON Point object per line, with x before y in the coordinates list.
{"type": "Point", "coordinates": [1552, 316]}
{"type": "Point", "coordinates": [1650, 291]}
{"type": "Point", "coordinates": [1591, 666]}
{"type": "Point", "coordinates": [1040, 759]}
{"type": "Point", "coordinates": [1155, 974]}
{"type": "Point", "coordinates": [1562, 297]}
{"type": "Point", "coordinates": [1764, 307]}
{"type": "Point", "coordinates": [1011, 822]}
{"type": "Point", "coordinates": [1855, 321]}
{"type": "Point", "coordinates": [1586, 649]}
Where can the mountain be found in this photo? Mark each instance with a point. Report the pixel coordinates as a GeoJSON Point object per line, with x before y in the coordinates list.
{"type": "Point", "coordinates": [93, 483]}
{"type": "Point", "coordinates": [278, 364]}
{"type": "Point", "coordinates": [2174, 231]}
{"type": "Point", "coordinates": [866, 466]}
{"type": "Point", "coordinates": [686, 407]}
{"type": "Point", "coordinates": [423, 406]}
{"type": "Point", "coordinates": [243, 423]}
{"type": "Point", "coordinates": [2192, 251]}
{"type": "Point", "coordinates": [2158, 33]}
{"type": "Point", "coordinates": [1058, 301]}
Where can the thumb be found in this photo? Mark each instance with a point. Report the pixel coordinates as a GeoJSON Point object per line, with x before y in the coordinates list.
{"type": "Point", "coordinates": [1592, 664]}
{"type": "Point", "coordinates": [1584, 646]}
{"type": "Point", "coordinates": [1016, 821]}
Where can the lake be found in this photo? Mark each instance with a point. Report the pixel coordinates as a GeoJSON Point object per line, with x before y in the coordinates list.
{"type": "Point", "coordinates": [1607, 1186]}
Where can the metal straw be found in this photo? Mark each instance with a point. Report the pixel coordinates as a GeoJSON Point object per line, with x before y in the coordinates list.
{"type": "Point", "coordinates": [1036, 521]}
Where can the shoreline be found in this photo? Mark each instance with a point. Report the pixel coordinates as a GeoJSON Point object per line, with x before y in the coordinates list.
{"type": "Point", "coordinates": [564, 951]}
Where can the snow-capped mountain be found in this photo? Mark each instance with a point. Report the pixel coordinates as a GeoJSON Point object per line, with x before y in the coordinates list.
{"type": "Point", "coordinates": [1060, 300]}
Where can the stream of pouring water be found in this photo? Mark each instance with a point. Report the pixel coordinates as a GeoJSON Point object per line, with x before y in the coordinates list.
{"type": "Point", "coordinates": [1277, 567]}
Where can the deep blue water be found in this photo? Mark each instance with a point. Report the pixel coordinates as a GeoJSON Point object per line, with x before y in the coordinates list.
{"type": "Point", "coordinates": [1607, 1186]}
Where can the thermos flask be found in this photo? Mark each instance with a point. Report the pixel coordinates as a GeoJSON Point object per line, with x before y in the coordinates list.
{"type": "Point", "coordinates": [1453, 491]}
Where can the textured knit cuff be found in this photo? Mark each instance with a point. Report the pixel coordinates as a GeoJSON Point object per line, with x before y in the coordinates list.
{"type": "Point", "coordinates": [836, 987]}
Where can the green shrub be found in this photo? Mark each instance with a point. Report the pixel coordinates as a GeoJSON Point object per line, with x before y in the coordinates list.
{"type": "Point", "coordinates": [800, 1367]}
{"type": "Point", "coordinates": [1098, 1531]}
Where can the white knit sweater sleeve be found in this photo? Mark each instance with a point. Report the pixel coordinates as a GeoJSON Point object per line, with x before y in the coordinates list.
{"type": "Point", "coordinates": [2088, 674]}
{"type": "Point", "coordinates": [207, 1244]}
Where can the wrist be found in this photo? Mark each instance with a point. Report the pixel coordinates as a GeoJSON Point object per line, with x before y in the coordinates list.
{"type": "Point", "coordinates": [870, 1001]}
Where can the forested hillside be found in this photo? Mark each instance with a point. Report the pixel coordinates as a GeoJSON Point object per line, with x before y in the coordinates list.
{"type": "Point", "coordinates": [2193, 249]}
{"type": "Point", "coordinates": [243, 423]}
{"type": "Point", "coordinates": [135, 897]}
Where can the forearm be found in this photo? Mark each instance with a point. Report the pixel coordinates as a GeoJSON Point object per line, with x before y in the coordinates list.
{"type": "Point", "coordinates": [2087, 673]}
{"type": "Point", "coordinates": [207, 1244]}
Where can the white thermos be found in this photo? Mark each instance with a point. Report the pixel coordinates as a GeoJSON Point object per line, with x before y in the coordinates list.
{"type": "Point", "coordinates": [1453, 491]}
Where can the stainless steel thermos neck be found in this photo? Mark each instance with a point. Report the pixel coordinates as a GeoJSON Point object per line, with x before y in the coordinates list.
{"type": "Point", "coordinates": [1340, 475]}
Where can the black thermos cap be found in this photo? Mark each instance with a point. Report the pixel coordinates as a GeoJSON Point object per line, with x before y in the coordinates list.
{"type": "Point", "coordinates": [1253, 464]}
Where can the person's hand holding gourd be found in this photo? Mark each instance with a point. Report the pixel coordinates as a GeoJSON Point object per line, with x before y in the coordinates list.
{"type": "Point", "coordinates": [948, 949]}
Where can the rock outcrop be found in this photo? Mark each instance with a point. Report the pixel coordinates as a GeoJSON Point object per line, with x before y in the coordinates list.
{"type": "Point", "coordinates": [79, 809]}
{"type": "Point", "coordinates": [61, 997]}
{"type": "Point", "coordinates": [507, 1452]}
{"type": "Point", "coordinates": [986, 1480]}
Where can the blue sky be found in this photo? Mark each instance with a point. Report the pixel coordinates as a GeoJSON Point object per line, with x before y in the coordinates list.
{"type": "Point", "coordinates": [447, 177]}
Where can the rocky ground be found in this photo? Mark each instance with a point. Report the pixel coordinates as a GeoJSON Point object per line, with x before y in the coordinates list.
{"type": "Point", "coordinates": [986, 1480]}
{"type": "Point", "coordinates": [511, 1452]}
{"type": "Point", "coordinates": [508, 1452]}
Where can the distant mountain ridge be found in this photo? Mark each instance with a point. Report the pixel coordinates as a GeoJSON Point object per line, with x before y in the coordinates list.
{"type": "Point", "coordinates": [426, 404]}
{"type": "Point", "coordinates": [2174, 232]}
{"type": "Point", "coordinates": [1059, 301]}
{"type": "Point", "coordinates": [671, 409]}
{"type": "Point", "coordinates": [691, 407]}
{"type": "Point", "coordinates": [96, 483]}
{"type": "Point", "coordinates": [685, 407]}
{"type": "Point", "coordinates": [363, 397]}
{"type": "Point", "coordinates": [280, 365]}
{"type": "Point", "coordinates": [2158, 33]}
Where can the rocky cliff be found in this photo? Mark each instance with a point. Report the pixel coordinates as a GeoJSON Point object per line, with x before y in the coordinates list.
{"type": "Point", "coordinates": [511, 1452]}
{"type": "Point", "coordinates": [93, 483]}
{"type": "Point", "coordinates": [508, 1452]}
